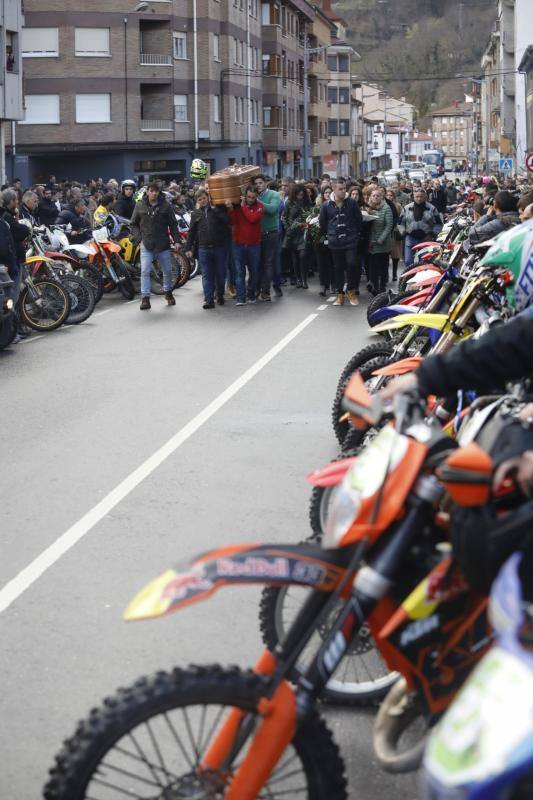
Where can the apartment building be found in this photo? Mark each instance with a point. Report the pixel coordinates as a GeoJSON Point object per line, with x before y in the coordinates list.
{"type": "Point", "coordinates": [318, 40]}
{"type": "Point", "coordinates": [140, 88]}
{"type": "Point", "coordinates": [452, 131]}
{"type": "Point", "coordinates": [10, 79]}
{"type": "Point", "coordinates": [284, 31]}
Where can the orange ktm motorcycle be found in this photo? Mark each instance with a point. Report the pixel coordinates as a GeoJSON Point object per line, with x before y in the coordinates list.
{"type": "Point", "coordinates": [385, 562]}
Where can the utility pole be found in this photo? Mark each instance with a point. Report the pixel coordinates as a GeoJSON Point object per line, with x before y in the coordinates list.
{"type": "Point", "coordinates": [306, 103]}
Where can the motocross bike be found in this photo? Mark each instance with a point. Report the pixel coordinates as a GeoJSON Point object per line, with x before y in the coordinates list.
{"type": "Point", "coordinates": [82, 295]}
{"type": "Point", "coordinates": [482, 748]}
{"type": "Point", "coordinates": [54, 243]}
{"type": "Point", "coordinates": [106, 256]}
{"type": "Point", "coordinates": [206, 732]}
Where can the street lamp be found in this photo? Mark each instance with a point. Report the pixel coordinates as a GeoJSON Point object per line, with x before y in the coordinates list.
{"type": "Point", "coordinates": [307, 52]}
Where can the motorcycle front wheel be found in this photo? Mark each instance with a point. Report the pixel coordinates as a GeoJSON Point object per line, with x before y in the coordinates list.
{"type": "Point", "coordinates": [125, 283]}
{"type": "Point", "coordinates": [149, 741]}
{"type": "Point", "coordinates": [49, 309]}
{"type": "Point", "coordinates": [82, 298]}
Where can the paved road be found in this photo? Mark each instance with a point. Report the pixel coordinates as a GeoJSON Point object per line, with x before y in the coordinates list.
{"type": "Point", "coordinates": [84, 408]}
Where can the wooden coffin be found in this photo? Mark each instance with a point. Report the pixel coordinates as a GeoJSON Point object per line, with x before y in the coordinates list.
{"type": "Point", "coordinates": [229, 183]}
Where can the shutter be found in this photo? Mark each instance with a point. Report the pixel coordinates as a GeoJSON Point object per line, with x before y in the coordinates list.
{"type": "Point", "coordinates": [39, 41]}
{"type": "Point", "coordinates": [91, 41]}
{"type": "Point", "coordinates": [93, 108]}
{"type": "Point", "coordinates": [41, 109]}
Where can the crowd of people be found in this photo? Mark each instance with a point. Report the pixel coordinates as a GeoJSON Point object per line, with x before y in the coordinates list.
{"type": "Point", "coordinates": [282, 233]}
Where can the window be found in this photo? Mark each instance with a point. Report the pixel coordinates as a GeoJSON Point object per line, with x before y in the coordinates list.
{"type": "Point", "coordinates": [444, 120]}
{"type": "Point", "coordinates": [344, 62]}
{"type": "Point", "coordinates": [344, 127]}
{"type": "Point", "coordinates": [344, 94]}
{"type": "Point", "coordinates": [216, 108]}
{"type": "Point", "coordinates": [235, 51]}
{"type": "Point", "coordinates": [332, 127]}
{"type": "Point", "coordinates": [252, 7]}
{"type": "Point", "coordinates": [91, 41]}
{"type": "Point", "coordinates": [241, 105]}
{"type": "Point", "coordinates": [180, 108]}
{"type": "Point", "coordinates": [216, 47]}
{"type": "Point", "coordinates": [180, 44]}
{"type": "Point", "coordinates": [241, 54]}
{"type": "Point", "coordinates": [332, 94]}
{"type": "Point", "coordinates": [239, 109]}
{"type": "Point", "coordinates": [93, 108]}
{"type": "Point", "coordinates": [41, 109]}
{"type": "Point", "coordinates": [267, 117]}
{"type": "Point", "coordinates": [332, 63]}
{"type": "Point", "coordinates": [39, 42]}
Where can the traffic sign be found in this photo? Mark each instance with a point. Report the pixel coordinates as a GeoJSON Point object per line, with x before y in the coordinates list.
{"type": "Point", "coordinates": [506, 165]}
{"type": "Point", "coordinates": [529, 162]}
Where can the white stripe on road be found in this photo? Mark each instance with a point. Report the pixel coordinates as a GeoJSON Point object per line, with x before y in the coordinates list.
{"type": "Point", "coordinates": [31, 339]}
{"type": "Point", "coordinates": [322, 308]}
{"type": "Point", "coordinates": [331, 299]}
{"type": "Point", "coordinates": [13, 590]}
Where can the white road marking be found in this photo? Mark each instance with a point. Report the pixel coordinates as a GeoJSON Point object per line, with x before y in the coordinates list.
{"type": "Point", "coordinates": [322, 308]}
{"type": "Point", "coordinates": [31, 339]}
{"type": "Point", "coordinates": [331, 299]}
{"type": "Point", "coordinates": [26, 577]}
{"type": "Point", "coordinates": [99, 313]}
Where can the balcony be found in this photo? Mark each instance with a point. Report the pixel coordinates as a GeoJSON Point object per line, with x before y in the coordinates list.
{"type": "Point", "coordinates": [157, 125]}
{"type": "Point", "coordinates": [155, 60]}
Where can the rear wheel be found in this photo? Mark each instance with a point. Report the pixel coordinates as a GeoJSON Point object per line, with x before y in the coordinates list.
{"type": "Point", "coordinates": [149, 741]}
{"type": "Point", "coordinates": [48, 309]}
{"type": "Point", "coordinates": [180, 274]}
{"type": "Point", "coordinates": [94, 276]}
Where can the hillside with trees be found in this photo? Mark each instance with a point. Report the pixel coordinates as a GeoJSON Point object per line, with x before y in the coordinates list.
{"type": "Point", "coordinates": [415, 48]}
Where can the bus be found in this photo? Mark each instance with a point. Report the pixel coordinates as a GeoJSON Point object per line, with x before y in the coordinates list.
{"type": "Point", "coordinates": [434, 160]}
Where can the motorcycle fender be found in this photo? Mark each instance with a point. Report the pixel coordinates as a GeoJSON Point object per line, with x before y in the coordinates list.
{"type": "Point", "coordinates": [332, 474]}
{"type": "Point", "coordinates": [387, 312]}
{"type": "Point", "coordinates": [400, 367]}
{"type": "Point", "coordinates": [420, 246]}
{"type": "Point", "coordinates": [415, 299]}
{"type": "Point", "coordinates": [38, 259]}
{"type": "Point", "coordinates": [112, 247]}
{"type": "Point", "coordinates": [55, 256]}
{"type": "Point", "coordinates": [414, 270]}
{"type": "Point", "coordinates": [276, 565]}
{"type": "Point", "coordinates": [434, 321]}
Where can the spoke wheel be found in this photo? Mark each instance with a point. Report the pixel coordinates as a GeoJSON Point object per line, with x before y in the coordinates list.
{"type": "Point", "coordinates": [148, 743]}
{"type": "Point", "coordinates": [361, 678]}
{"type": "Point", "coordinates": [47, 311]}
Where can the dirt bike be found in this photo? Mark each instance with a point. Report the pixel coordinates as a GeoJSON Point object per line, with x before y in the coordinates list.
{"type": "Point", "coordinates": [206, 732]}
{"type": "Point", "coordinates": [106, 256]}
{"type": "Point", "coordinates": [82, 294]}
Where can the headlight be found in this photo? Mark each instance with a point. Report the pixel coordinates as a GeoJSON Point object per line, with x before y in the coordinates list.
{"type": "Point", "coordinates": [8, 305]}
{"type": "Point", "coordinates": [343, 510]}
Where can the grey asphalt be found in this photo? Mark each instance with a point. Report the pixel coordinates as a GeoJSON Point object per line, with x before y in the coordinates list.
{"type": "Point", "coordinates": [81, 409]}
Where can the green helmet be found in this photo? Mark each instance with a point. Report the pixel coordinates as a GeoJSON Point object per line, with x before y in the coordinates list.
{"type": "Point", "coordinates": [513, 250]}
{"type": "Point", "coordinates": [198, 169]}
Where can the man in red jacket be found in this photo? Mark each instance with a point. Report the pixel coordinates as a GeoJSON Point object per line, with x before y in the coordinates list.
{"type": "Point", "coordinates": [246, 226]}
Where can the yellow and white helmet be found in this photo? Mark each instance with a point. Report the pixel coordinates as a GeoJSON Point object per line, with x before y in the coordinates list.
{"type": "Point", "coordinates": [198, 169]}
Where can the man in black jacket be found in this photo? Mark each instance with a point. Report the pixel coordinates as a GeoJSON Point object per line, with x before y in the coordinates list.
{"type": "Point", "coordinates": [75, 215]}
{"type": "Point", "coordinates": [211, 229]}
{"type": "Point", "coordinates": [19, 233]}
{"type": "Point", "coordinates": [438, 197]}
{"type": "Point", "coordinates": [340, 220]}
{"type": "Point", "coordinates": [152, 219]}
{"type": "Point", "coordinates": [47, 210]}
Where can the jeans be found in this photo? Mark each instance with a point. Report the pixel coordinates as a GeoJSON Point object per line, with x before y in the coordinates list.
{"type": "Point", "coordinates": [325, 264]}
{"type": "Point", "coordinates": [213, 262]}
{"type": "Point", "coordinates": [147, 259]}
{"type": "Point", "coordinates": [346, 261]}
{"type": "Point", "coordinates": [230, 269]}
{"type": "Point", "coordinates": [269, 261]}
{"type": "Point", "coordinates": [246, 255]}
{"type": "Point", "coordinates": [409, 256]}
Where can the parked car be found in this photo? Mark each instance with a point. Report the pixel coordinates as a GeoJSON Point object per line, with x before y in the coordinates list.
{"type": "Point", "coordinates": [393, 175]}
{"type": "Point", "coordinates": [417, 174]}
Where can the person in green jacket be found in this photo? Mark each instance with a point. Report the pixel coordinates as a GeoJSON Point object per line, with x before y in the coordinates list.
{"type": "Point", "coordinates": [270, 272]}
{"type": "Point", "coordinates": [380, 242]}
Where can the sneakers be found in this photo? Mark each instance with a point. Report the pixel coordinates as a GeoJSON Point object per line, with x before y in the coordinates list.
{"type": "Point", "coordinates": [208, 304]}
{"type": "Point", "coordinates": [220, 299]}
{"type": "Point", "coordinates": [352, 297]}
{"type": "Point", "coordinates": [277, 291]}
{"type": "Point", "coordinates": [230, 291]}
{"type": "Point", "coordinates": [251, 300]}
{"type": "Point", "coordinates": [264, 297]}
{"type": "Point", "coordinates": [339, 300]}
{"type": "Point", "coordinates": [169, 297]}
{"type": "Point", "coordinates": [240, 303]}
{"type": "Point", "coordinates": [145, 304]}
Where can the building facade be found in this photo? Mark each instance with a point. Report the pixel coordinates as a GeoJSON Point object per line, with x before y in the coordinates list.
{"type": "Point", "coordinates": [11, 105]}
{"type": "Point", "coordinates": [139, 90]}
{"type": "Point", "coordinates": [452, 132]}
